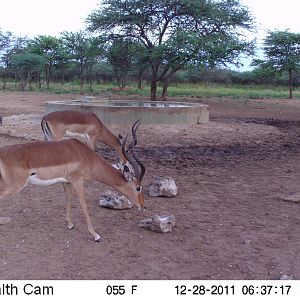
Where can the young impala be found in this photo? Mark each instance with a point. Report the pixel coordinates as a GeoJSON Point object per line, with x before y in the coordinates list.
{"type": "Point", "coordinates": [70, 162]}
{"type": "Point", "coordinates": [80, 124]}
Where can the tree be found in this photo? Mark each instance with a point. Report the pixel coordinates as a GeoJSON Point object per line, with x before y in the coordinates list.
{"type": "Point", "coordinates": [26, 64]}
{"type": "Point", "coordinates": [62, 60]}
{"type": "Point", "coordinates": [5, 39]}
{"type": "Point", "coordinates": [83, 49]}
{"type": "Point", "coordinates": [46, 46]}
{"type": "Point", "coordinates": [14, 45]}
{"type": "Point", "coordinates": [77, 44]}
{"type": "Point", "coordinates": [174, 32]}
{"type": "Point", "coordinates": [120, 55]}
{"type": "Point", "coordinates": [140, 62]}
{"type": "Point", "coordinates": [282, 54]}
{"type": "Point", "coordinates": [94, 52]}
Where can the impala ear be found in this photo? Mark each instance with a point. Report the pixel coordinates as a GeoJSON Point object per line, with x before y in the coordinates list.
{"type": "Point", "coordinates": [121, 139]}
{"type": "Point", "coordinates": [127, 174]}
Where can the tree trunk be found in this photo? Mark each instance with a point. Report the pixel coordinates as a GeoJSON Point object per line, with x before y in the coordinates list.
{"type": "Point", "coordinates": [4, 80]}
{"type": "Point", "coordinates": [153, 89]}
{"type": "Point", "coordinates": [140, 80]}
{"type": "Point", "coordinates": [47, 75]}
{"type": "Point", "coordinates": [81, 78]}
{"type": "Point", "coordinates": [91, 79]}
{"type": "Point", "coordinates": [63, 75]}
{"type": "Point", "coordinates": [154, 76]}
{"type": "Point", "coordinates": [165, 88]}
{"type": "Point", "coordinates": [290, 85]}
{"type": "Point", "coordinates": [38, 80]}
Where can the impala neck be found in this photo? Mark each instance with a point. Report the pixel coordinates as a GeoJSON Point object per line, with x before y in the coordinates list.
{"type": "Point", "coordinates": [108, 138]}
{"type": "Point", "coordinates": [104, 172]}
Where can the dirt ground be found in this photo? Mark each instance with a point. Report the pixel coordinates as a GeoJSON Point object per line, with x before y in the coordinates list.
{"type": "Point", "coordinates": [232, 221]}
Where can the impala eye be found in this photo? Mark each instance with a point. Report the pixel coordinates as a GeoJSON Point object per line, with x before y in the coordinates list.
{"type": "Point", "coordinates": [138, 188]}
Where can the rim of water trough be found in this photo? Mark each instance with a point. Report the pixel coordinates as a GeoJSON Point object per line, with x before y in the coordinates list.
{"type": "Point", "coordinates": [95, 101]}
{"type": "Point", "coordinates": [128, 111]}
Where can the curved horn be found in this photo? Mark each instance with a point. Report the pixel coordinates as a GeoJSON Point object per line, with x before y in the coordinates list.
{"type": "Point", "coordinates": [143, 169]}
{"type": "Point", "coordinates": [134, 128]}
{"type": "Point", "coordinates": [138, 167]}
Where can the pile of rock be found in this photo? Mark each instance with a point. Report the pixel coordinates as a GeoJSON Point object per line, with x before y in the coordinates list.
{"type": "Point", "coordinates": [5, 220]}
{"type": "Point", "coordinates": [159, 223]}
{"type": "Point", "coordinates": [112, 199]}
{"type": "Point", "coordinates": [163, 187]}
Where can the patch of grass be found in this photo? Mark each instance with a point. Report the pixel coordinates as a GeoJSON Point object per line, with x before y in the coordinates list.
{"type": "Point", "coordinates": [248, 92]}
{"type": "Point", "coordinates": [179, 90]}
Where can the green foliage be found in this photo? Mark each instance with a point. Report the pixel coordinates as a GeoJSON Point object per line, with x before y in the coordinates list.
{"type": "Point", "coordinates": [175, 33]}
{"type": "Point", "coordinates": [120, 55]}
{"type": "Point", "coordinates": [44, 45]}
{"type": "Point", "coordinates": [85, 50]}
{"type": "Point", "coordinates": [5, 39]}
{"type": "Point", "coordinates": [28, 62]}
{"type": "Point", "coordinates": [48, 47]}
{"type": "Point", "coordinates": [282, 49]}
{"type": "Point", "coordinates": [282, 52]}
{"type": "Point", "coordinates": [25, 65]}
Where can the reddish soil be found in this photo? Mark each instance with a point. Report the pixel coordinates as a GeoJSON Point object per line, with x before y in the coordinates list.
{"type": "Point", "coordinates": [231, 220]}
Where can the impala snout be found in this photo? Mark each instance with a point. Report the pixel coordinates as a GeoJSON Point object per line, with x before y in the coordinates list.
{"type": "Point", "coordinates": [141, 202]}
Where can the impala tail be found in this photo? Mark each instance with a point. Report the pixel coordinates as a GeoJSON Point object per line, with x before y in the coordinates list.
{"type": "Point", "coordinates": [46, 130]}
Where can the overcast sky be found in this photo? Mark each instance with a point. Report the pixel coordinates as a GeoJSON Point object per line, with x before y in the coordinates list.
{"type": "Point", "coordinates": [272, 14]}
{"type": "Point", "coordinates": [34, 17]}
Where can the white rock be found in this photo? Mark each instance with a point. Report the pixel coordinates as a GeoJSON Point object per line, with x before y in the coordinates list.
{"type": "Point", "coordinates": [5, 220]}
{"type": "Point", "coordinates": [111, 199]}
{"type": "Point", "coordinates": [287, 277]}
{"type": "Point", "coordinates": [163, 187]}
{"type": "Point", "coordinates": [159, 223]}
{"type": "Point", "coordinates": [292, 198]}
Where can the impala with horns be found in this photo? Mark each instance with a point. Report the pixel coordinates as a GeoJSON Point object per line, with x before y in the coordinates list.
{"type": "Point", "coordinates": [85, 125]}
{"type": "Point", "coordinates": [71, 162]}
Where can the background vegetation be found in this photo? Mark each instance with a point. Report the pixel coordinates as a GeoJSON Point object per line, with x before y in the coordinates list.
{"type": "Point", "coordinates": [151, 48]}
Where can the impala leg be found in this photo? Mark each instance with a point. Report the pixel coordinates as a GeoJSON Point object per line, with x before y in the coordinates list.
{"type": "Point", "coordinates": [69, 193]}
{"type": "Point", "coordinates": [91, 141]}
{"type": "Point", "coordinates": [8, 189]}
{"type": "Point", "coordinates": [78, 189]}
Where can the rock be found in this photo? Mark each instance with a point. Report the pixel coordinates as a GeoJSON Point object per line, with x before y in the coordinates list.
{"type": "Point", "coordinates": [163, 187]}
{"type": "Point", "coordinates": [159, 223]}
{"type": "Point", "coordinates": [292, 198]}
{"type": "Point", "coordinates": [287, 277]}
{"type": "Point", "coordinates": [111, 199]}
{"type": "Point", "coordinates": [4, 220]}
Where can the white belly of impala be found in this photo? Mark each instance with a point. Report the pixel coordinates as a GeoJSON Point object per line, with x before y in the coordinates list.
{"type": "Point", "coordinates": [78, 135]}
{"type": "Point", "coordinates": [33, 179]}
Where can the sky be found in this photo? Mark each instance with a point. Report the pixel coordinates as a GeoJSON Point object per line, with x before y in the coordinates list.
{"type": "Point", "coordinates": [272, 15]}
{"type": "Point", "coordinates": [38, 17]}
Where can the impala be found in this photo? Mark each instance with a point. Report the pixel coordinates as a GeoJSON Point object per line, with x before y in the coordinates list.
{"type": "Point", "coordinates": [87, 125]}
{"type": "Point", "coordinates": [71, 162]}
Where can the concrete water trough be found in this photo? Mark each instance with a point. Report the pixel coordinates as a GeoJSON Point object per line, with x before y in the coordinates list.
{"type": "Point", "coordinates": [127, 112]}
